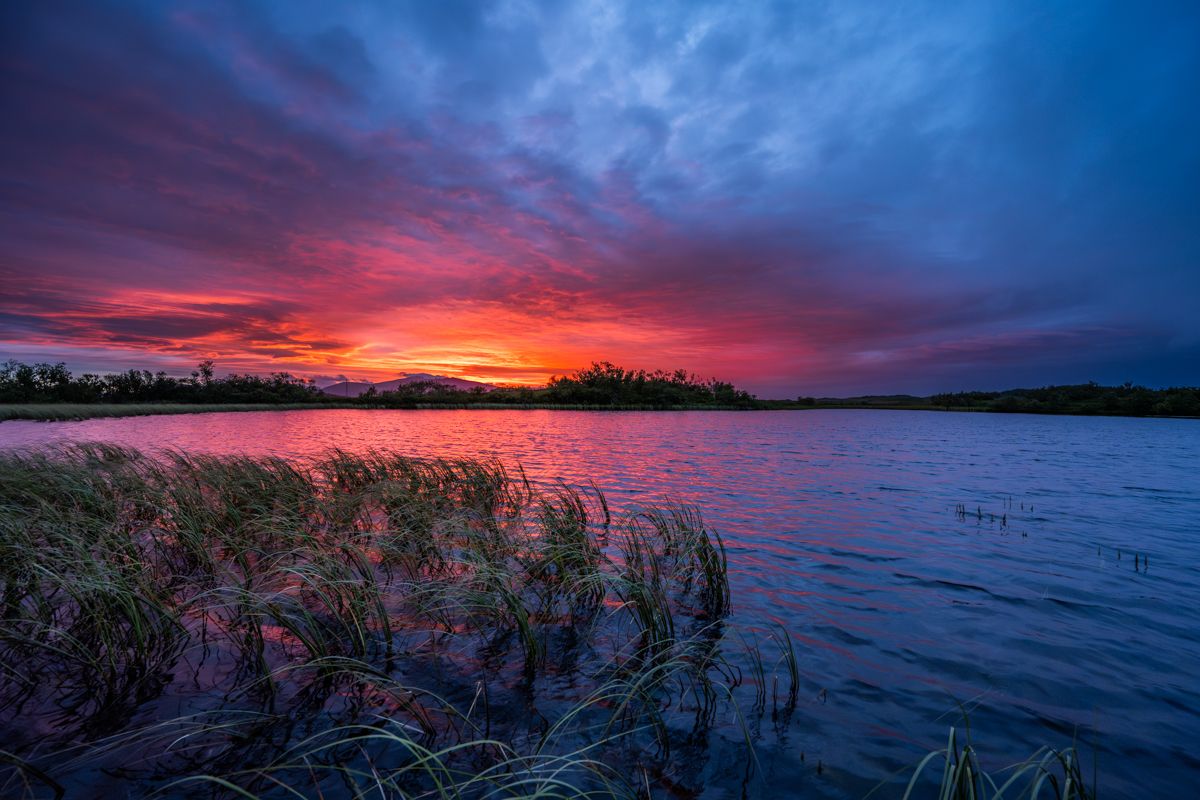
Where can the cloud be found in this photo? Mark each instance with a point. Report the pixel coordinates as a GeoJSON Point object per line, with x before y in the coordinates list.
{"type": "Point", "coordinates": [799, 198]}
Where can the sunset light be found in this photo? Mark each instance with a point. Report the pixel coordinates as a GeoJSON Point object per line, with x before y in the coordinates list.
{"type": "Point", "coordinates": [599, 399]}
{"type": "Point", "coordinates": [863, 200]}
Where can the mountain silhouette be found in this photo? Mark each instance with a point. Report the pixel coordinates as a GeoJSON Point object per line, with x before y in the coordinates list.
{"type": "Point", "coordinates": [358, 388]}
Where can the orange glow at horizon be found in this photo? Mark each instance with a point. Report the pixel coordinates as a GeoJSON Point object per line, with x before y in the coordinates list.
{"type": "Point", "coordinates": [253, 331]}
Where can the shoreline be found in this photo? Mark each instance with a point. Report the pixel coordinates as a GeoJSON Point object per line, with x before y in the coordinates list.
{"type": "Point", "coordinates": [69, 412]}
{"type": "Point", "coordinates": [72, 412]}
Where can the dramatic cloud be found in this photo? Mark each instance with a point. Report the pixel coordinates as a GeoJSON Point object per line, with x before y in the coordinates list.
{"type": "Point", "coordinates": [804, 198]}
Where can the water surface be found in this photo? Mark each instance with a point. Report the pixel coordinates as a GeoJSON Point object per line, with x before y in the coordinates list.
{"type": "Point", "coordinates": [843, 526]}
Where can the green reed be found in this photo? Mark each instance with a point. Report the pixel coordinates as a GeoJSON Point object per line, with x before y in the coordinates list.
{"type": "Point", "coordinates": [1048, 773]}
{"type": "Point", "coordinates": [278, 591]}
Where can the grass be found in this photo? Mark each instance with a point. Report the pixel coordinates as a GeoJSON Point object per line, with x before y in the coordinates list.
{"type": "Point", "coordinates": [73, 411]}
{"type": "Point", "coordinates": [370, 625]}
{"type": "Point", "coordinates": [1047, 773]}
{"type": "Point", "coordinates": [350, 625]}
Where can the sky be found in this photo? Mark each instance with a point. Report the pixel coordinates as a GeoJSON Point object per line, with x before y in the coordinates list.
{"type": "Point", "coordinates": [804, 198]}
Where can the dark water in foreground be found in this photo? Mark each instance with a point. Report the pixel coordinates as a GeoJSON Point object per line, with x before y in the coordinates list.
{"type": "Point", "coordinates": [842, 526]}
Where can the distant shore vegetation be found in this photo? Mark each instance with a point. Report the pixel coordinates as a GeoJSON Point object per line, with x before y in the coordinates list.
{"type": "Point", "coordinates": [602, 385]}
{"type": "Point", "coordinates": [1088, 398]}
{"type": "Point", "coordinates": [54, 383]}
{"type": "Point", "coordinates": [51, 391]}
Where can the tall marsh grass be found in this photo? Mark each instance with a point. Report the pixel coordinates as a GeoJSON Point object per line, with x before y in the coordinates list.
{"type": "Point", "coordinates": [353, 625]}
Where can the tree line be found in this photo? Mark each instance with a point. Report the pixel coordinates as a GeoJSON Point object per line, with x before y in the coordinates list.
{"type": "Point", "coordinates": [607, 384]}
{"type": "Point", "coordinates": [54, 383]}
{"type": "Point", "coordinates": [601, 384]}
{"type": "Point", "coordinates": [1086, 398]}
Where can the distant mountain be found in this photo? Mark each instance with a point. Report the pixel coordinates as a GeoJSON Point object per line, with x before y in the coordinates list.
{"type": "Point", "coordinates": [357, 388]}
{"type": "Point", "coordinates": [346, 389]}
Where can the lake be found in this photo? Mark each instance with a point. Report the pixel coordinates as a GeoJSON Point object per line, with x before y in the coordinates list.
{"type": "Point", "coordinates": [1038, 572]}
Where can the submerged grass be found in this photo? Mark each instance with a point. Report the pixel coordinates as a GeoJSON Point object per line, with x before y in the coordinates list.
{"type": "Point", "coordinates": [323, 624]}
{"type": "Point", "coordinates": [1047, 773]}
{"type": "Point", "coordinates": [370, 625]}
